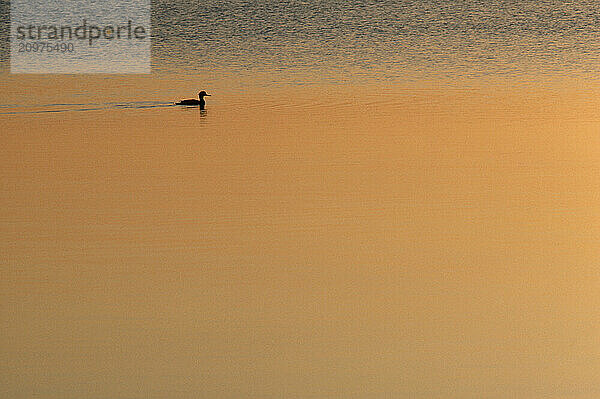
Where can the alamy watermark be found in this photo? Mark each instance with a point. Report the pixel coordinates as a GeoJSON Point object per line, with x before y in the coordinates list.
{"type": "Point", "coordinates": [75, 36]}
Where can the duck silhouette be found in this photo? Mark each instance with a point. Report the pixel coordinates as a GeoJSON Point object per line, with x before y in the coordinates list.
{"type": "Point", "coordinates": [193, 101]}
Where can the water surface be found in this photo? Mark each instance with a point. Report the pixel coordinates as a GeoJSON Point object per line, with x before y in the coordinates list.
{"type": "Point", "coordinates": [382, 199]}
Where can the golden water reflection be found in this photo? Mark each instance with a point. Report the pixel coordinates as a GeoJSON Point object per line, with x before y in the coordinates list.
{"type": "Point", "coordinates": [329, 241]}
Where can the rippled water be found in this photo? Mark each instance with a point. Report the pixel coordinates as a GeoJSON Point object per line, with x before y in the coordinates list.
{"type": "Point", "coordinates": [311, 41]}
{"type": "Point", "coordinates": [340, 40]}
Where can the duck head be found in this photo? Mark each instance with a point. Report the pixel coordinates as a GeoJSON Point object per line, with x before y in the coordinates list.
{"type": "Point", "coordinates": [203, 94]}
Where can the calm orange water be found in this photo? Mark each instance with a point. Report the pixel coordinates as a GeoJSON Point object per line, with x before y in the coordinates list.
{"type": "Point", "coordinates": [301, 241]}
{"type": "Point", "coordinates": [384, 199]}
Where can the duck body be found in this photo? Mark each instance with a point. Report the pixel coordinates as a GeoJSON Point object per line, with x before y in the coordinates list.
{"type": "Point", "coordinates": [193, 101]}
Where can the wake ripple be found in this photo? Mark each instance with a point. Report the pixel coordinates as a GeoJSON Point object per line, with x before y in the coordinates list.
{"type": "Point", "coordinates": [14, 109]}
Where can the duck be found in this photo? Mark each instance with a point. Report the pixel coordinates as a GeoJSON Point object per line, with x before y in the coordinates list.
{"type": "Point", "coordinates": [193, 101]}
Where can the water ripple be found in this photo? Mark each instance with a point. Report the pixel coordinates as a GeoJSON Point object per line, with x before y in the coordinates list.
{"type": "Point", "coordinates": [12, 109]}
